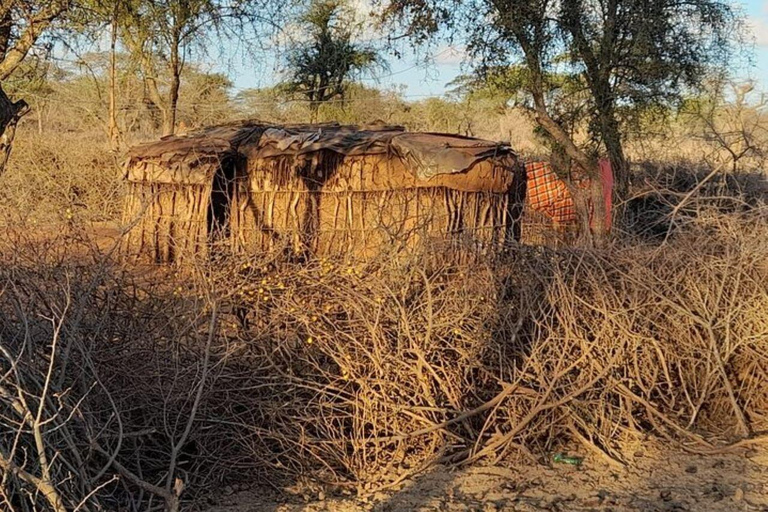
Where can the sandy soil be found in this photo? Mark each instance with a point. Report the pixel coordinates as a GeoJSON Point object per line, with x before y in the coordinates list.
{"type": "Point", "coordinates": [658, 481]}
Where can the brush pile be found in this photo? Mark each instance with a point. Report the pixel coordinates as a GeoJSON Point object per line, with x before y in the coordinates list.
{"type": "Point", "coordinates": [134, 388]}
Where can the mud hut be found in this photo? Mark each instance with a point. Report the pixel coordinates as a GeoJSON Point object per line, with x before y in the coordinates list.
{"type": "Point", "coordinates": [319, 189]}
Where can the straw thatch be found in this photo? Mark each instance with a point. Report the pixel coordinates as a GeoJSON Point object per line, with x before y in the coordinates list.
{"type": "Point", "coordinates": [322, 189]}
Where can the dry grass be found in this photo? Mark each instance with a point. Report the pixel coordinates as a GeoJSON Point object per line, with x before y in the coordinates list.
{"type": "Point", "coordinates": [52, 179]}
{"type": "Point", "coordinates": [357, 376]}
{"type": "Point", "coordinates": [126, 386]}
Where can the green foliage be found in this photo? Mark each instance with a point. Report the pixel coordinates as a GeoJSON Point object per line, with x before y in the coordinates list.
{"type": "Point", "coordinates": [26, 26]}
{"type": "Point", "coordinates": [33, 78]}
{"type": "Point", "coordinates": [596, 61]}
{"type": "Point", "coordinates": [322, 68]}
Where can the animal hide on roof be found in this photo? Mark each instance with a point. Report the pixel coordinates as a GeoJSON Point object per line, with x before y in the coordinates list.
{"type": "Point", "coordinates": [425, 154]}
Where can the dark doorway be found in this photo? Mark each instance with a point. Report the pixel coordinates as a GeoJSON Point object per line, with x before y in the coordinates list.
{"type": "Point", "coordinates": [222, 192]}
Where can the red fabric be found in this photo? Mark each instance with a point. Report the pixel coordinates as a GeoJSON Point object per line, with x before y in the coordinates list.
{"type": "Point", "coordinates": [548, 194]}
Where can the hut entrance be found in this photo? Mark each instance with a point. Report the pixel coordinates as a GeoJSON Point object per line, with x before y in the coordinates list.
{"type": "Point", "coordinates": [222, 193]}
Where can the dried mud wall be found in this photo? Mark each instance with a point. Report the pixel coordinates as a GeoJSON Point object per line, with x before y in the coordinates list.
{"type": "Point", "coordinates": [360, 206]}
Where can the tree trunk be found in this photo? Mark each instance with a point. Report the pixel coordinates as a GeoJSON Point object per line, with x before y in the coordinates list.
{"type": "Point", "coordinates": [114, 131]}
{"type": "Point", "coordinates": [169, 120]}
{"type": "Point", "coordinates": [598, 226]}
{"type": "Point", "coordinates": [592, 228]}
{"type": "Point", "coordinates": [599, 67]}
{"type": "Point", "coordinates": [609, 130]}
{"type": "Point", "coordinates": [597, 62]}
{"type": "Point", "coordinates": [10, 114]}
{"type": "Point", "coordinates": [152, 90]}
{"type": "Point", "coordinates": [169, 125]}
{"type": "Point", "coordinates": [562, 138]}
{"type": "Point", "coordinates": [614, 147]}
{"type": "Point", "coordinates": [40, 109]}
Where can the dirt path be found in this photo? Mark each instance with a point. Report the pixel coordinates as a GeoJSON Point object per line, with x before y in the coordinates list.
{"type": "Point", "coordinates": [654, 482]}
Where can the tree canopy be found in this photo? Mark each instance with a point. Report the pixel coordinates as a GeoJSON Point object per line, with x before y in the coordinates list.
{"type": "Point", "coordinates": [22, 24]}
{"type": "Point", "coordinates": [622, 53]}
{"type": "Point", "coordinates": [322, 67]}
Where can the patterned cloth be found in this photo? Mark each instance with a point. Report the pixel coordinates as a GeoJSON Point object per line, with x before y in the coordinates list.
{"type": "Point", "coordinates": [548, 194]}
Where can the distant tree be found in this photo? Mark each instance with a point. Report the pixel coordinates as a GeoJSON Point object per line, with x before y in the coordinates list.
{"type": "Point", "coordinates": [92, 19]}
{"type": "Point", "coordinates": [81, 100]}
{"type": "Point", "coordinates": [268, 104]}
{"type": "Point", "coordinates": [624, 52]}
{"type": "Point", "coordinates": [22, 24]}
{"type": "Point", "coordinates": [322, 68]}
{"type": "Point", "coordinates": [368, 104]}
{"type": "Point", "coordinates": [206, 100]}
{"type": "Point", "coordinates": [730, 117]}
{"type": "Point", "coordinates": [165, 33]}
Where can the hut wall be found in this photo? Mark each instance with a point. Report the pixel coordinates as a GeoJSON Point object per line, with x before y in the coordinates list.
{"type": "Point", "coordinates": [167, 220]}
{"type": "Point", "coordinates": [362, 205]}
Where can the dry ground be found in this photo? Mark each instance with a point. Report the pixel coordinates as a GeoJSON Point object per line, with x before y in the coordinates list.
{"type": "Point", "coordinates": [654, 481]}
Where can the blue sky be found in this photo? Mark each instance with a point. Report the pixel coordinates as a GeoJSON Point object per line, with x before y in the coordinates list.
{"type": "Point", "coordinates": [757, 18]}
{"type": "Point", "coordinates": [418, 78]}
{"type": "Point", "coordinates": [421, 80]}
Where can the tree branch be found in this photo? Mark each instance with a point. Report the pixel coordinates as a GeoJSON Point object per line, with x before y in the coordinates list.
{"type": "Point", "coordinates": [35, 26]}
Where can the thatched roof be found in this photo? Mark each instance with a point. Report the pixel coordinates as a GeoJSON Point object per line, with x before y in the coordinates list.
{"type": "Point", "coordinates": [186, 157]}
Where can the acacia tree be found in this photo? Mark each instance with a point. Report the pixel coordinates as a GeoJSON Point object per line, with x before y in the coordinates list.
{"type": "Point", "coordinates": [322, 68]}
{"type": "Point", "coordinates": [163, 34]}
{"type": "Point", "coordinates": [95, 16]}
{"type": "Point", "coordinates": [627, 53]}
{"type": "Point", "coordinates": [731, 118]}
{"type": "Point", "coordinates": [22, 23]}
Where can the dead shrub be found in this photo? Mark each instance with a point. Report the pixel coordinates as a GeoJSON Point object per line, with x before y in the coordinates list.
{"type": "Point", "coordinates": [669, 339]}
{"type": "Point", "coordinates": [665, 197]}
{"type": "Point", "coordinates": [53, 179]}
{"type": "Point", "coordinates": [360, 375]}
{"type": "Point", "coordinates": [356, 368]}
{"type": "Point", "coordinates": [356, 375]}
